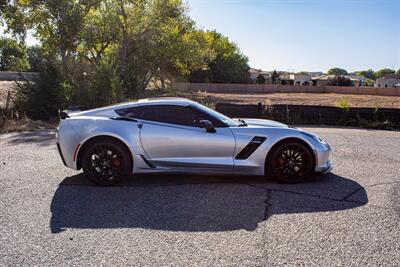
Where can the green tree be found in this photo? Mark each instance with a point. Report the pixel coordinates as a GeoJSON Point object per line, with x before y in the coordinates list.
{"type": "Point", "coordinates": [274, 76]}
{"type": "Point", "coordinates": [368, 83]}
{"type": "Point", "coordinates": [383, 72]}
{"type": "Point", "coordinates": [13, 55]}
{"type": "Point", "coordinates": [137, 41]}
{"type": "Point", "coordinates": [13, 18]}
{"type": "Point", "coordinates": [229, 65]}
{"type": "Point", "coordinates": [398, 72]}
{"type": "Point", "coordinates": [155, 39]}
{"type": "Point", "coordinates": [337, 71]}
{"type": "Point", "coordinates": [57, 24]}
{"type": "Point", "coordinates": [225, 64]}
{"type": "Point", "coordinates": [260, 79]}
{"type": "Point", "coordinates": [104, 51]}
{"type": "Point", "coordinates": [369, 74]}
{"type": "Point", "coordinates": [35, 57]}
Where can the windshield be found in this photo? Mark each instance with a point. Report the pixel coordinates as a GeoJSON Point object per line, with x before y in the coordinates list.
{"type": "Point", "coordinates": [228, 121]}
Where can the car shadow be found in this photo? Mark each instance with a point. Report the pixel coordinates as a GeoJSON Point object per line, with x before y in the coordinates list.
{"type": "Point", "coordinates": [195, 203]}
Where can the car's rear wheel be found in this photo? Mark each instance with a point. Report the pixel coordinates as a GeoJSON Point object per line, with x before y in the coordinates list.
{"type": "Point", "coordinates": [290, 162]}
{"type": "Point", "coordinates": [105, 163]}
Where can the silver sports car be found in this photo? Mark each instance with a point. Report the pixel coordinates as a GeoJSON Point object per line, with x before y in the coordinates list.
{"type": "Point", "coordinates": [176, 135]}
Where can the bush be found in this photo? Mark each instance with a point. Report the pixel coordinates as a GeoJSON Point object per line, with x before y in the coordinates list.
{"type": "Point", "coordinates": [41, 99]}
{"type": "Point", "coordinates": [343, 103]}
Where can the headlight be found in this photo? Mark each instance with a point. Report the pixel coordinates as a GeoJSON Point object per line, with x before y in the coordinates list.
{"type": "Point", "coordinates": [316, 138]}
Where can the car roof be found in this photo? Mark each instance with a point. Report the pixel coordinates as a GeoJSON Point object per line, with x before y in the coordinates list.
{"type": "Point", "coordinates": [165, 100]}
{"type": "Point", "coordinates": [141, 102]}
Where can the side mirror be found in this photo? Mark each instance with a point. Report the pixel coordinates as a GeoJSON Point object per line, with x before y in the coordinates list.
{"type": "Point", "coordinates": [206, 124]}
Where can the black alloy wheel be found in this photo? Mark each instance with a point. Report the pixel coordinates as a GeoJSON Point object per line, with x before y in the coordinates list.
{"type": "Point", "coordinates": [291, 162]}
{"type": "Point", "coordinates": [105, 163]}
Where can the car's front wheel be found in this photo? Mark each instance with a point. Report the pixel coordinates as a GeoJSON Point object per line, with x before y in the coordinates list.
{"type": "Point", "coordinates": [290, 162]}
{"type": "Point", "coordinates": [105, 163]}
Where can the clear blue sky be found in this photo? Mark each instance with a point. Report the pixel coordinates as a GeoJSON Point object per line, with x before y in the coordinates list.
{"type": "Point", "coordinates": [312, 35]}
{"type": "Point", "coordinates": [306, 34]}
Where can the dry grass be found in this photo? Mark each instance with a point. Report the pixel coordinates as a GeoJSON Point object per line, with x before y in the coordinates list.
{"type": "Point", "coordinates": [368, 101]}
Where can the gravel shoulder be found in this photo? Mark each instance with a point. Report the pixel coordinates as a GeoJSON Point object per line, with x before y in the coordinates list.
{"type": "Point", "coordinates": [51, 215]}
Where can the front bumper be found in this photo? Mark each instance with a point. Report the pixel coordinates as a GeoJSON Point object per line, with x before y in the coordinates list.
{"type": "Point", "coordinates": [324, 168]}
{"type": "Point", "coordinates": [323, 164]}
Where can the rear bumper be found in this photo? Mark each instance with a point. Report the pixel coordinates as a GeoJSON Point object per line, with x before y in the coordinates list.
{"type": "Point", "coordinates": [61, 155]}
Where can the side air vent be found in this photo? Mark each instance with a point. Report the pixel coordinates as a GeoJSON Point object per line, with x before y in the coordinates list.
{"type": "Point", "coordinates": [251, 147]}
{"type": "Point", "coordinates": [148, 162]}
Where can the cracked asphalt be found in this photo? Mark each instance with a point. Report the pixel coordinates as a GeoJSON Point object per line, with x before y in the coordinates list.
{"type": "Point", "coordinates": [51, 216]}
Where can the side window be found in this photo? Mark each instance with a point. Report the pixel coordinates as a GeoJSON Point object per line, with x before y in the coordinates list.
{"type": "Point", "coordinates": [204, 116]}
{"type": "Point", "coordinates": [180, 115]}
{"type": "Point", "coordinates": [132, 112]}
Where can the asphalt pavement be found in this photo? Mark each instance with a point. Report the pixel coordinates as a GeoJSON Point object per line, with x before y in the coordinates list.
{"type": "Point", "coordinates": [51, 216]}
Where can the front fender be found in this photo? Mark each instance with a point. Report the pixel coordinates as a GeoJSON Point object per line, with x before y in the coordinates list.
{"type": "Point", "coordinates": [255, 163]}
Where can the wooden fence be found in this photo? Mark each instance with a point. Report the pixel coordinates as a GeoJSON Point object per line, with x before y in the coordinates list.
{"type": "Point", "coordinates": [304, 114]}
{"type": "Point", "coordinates": [18, 76]}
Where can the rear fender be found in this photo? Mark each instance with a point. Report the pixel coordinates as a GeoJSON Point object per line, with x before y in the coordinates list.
{"type": "Point", "coordinates": [125, 131]}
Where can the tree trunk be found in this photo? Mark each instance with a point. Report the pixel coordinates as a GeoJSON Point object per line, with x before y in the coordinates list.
{"type": "Point", "coordinates": [162, 78]}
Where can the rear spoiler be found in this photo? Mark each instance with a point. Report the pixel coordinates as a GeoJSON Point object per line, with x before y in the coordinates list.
{"type": "Point", "coordinates": [63, 114]}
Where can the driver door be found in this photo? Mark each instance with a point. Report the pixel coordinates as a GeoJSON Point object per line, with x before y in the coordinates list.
{"type": "Point", "coordinates": [172, 138]}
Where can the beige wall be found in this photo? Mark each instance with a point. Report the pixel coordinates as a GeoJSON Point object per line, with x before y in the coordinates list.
{"type": "Point", "coordinates": [386, 82]}
{"type": "Point", "coordinates": [272, 88]}
{"type": "Point", "coordinates": [17, 76]}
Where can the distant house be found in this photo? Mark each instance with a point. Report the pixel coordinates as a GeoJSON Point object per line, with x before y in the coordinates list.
{"type": "Point", "coordinates": [254, 73]}
{"type": "Point", "coordinates": [357, 80]}
{"type": "Point", "coordinates": [389, 81]}
{"type": "Point", "coordinates": [267, 76]}
{"type": "Point", "coordinates": [301, 78]}
{"type": "Point", "coordinates": [323, 80]}
{"type": "Point", "coordinates": [315, 73]}
{"type": "Point", "coordinates": [284, 78]}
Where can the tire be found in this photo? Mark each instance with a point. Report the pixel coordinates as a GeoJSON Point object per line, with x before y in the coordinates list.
{"type": "Point", "coordinates": [105, 163]}
{"type": "Point", "coordinates": [290, 163]}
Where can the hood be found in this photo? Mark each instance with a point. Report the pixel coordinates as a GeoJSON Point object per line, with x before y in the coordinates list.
{"type": "Point", "coordinates": [265, 123]}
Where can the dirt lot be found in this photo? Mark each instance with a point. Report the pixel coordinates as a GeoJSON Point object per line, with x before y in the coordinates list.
{"type": "Point", "coordinates": [268, 99]}
{"type": "Point", "coordinates": [299, 99]}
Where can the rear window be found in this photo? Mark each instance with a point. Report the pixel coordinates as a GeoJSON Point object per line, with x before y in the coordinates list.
{"type": "Point", "coordinates": [133, 112]}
